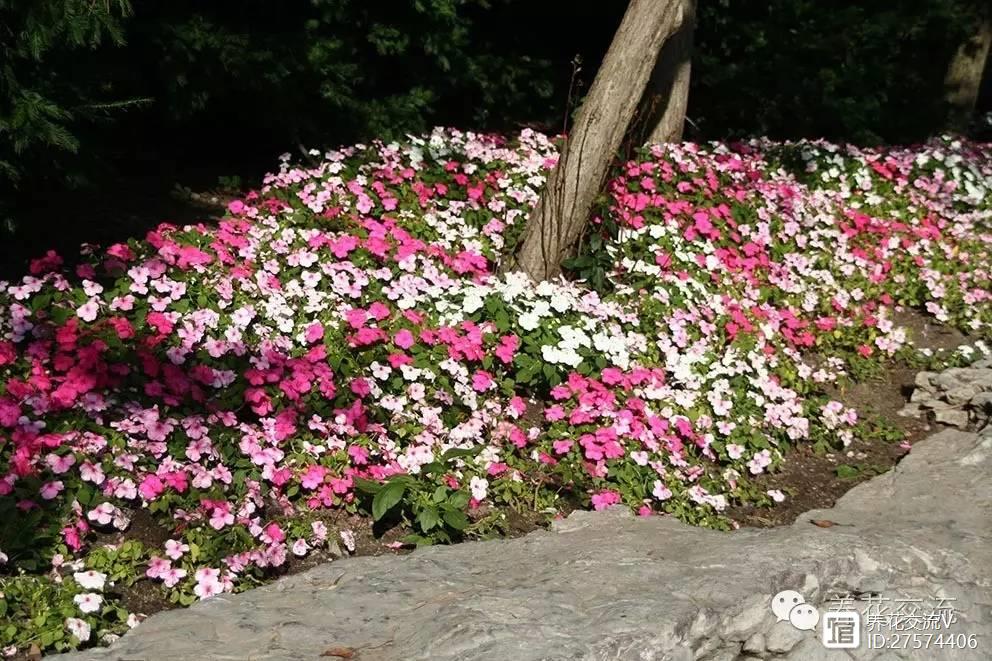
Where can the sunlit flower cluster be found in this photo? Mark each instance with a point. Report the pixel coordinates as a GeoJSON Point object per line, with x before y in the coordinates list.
{"type": "Point", "coordinates": [346, 328]}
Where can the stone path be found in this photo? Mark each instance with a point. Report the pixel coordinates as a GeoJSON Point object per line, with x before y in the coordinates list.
{"type": "Point", "coordinates": [613, 586]}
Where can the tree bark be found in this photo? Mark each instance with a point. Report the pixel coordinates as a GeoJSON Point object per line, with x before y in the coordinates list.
{"type": "Point", "coordinates": [964, 75]}
{"type": "Point", "coordinates": [668, 91]}
{"type": "Point", "coordinates": [600, 126]}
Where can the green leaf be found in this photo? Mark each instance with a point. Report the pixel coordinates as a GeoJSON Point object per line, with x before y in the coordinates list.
{"type": "Point", "coordinates": [456, 519]}
{"type": "Point", "coordinates": [428, 519]}
{"type": "Point", "coordinates": [368, 486]}
{"type": "Point", "coordinates": [387, 498]}
{"type": "Point", "coordinates": [454, 453]}
{"type": "Point", "coordinates": [459, 500]}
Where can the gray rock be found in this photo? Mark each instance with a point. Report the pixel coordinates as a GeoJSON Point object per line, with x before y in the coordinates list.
{"type": "Point", "coordinates": [961, 394]}
{"type": "Point", "coordinates": [982, 401]}
{"type": "Point", "coordinates": [811, 649]}
{"type": "Point", "coordinates": [755, 644]}
{"type": "Point", "coordinates": [723, 654]}
{"type": "Point", "coordinates": [924, 380]}
{"type": "Point", "coordinates": [983, 379]}
{"type": "Point", "coordinates": [783, 637]}
{"type": "Point", "coordinates": [911, 411]}
{"type": "Point", "coordinates": [953, 417]}
{"type": "Point", "coordinates": [606, 586]}
{"type": "Point", "coordinates": [948, 379]}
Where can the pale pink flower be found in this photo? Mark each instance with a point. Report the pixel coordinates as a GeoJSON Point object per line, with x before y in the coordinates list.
{"type": "Point", "coordinates": [50, 490]}
{"type": "Point", "coordinates": [78, 628]}
{"type": "Point", "coordinates": [90, 580]}
{"type": "Point", "coordinates": [88, 602]}
{"type": "Point", "coordinates": [175, 549]}
{"type": "Point", "coordinates": [88, 310]}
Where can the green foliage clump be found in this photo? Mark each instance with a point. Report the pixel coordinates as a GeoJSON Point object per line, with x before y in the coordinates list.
{"type": "Point", "coordinates": [42, 94]}
{"type": "Point", "coordinates": [845, 70]}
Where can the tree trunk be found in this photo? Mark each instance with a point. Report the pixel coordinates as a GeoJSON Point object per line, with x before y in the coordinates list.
{"type": "Point", "coordinates": [964, 75]}
{"type": "Point", "coordinates": [668, 91]}
{"type": "Point", "coordinates": [563, 210]}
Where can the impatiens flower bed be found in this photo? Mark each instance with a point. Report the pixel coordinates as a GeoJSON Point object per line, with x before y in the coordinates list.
{"type": "Point", "coordinates": [340, 342]}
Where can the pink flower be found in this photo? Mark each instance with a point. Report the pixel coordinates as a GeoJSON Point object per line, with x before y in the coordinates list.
{"type": "Point", "coordinates": [508, 345]}
{"type": "Point", "coordinates": [356, 317]}
{"type": "Point", "coordinates": [273, 534]}
{"type": "Point", "coordinates": [379, 311]}
{"type": "Point", "coordinates": [482, 381]}
{"type": "Point", "coordinates": [157, 566]}
{"type": "Point", "coordinates": [208, 583]}
{"type": "Point", "coordinates": [88, 310]}
{"type": "Point", "coordinates": [313, 476]}
{"type": "Point", "coordinates": [776, 495]}
{"type": "Point", "coordinates": [604, 499]}
{"type": "Point", "coordinates": [360, 387]}
{"type": "Point", "coordinates": [151, 487]}
{"type": "Point", "coordinates": [172, 576]}
{"type": "Point", "coordinates": [91, 473]}
{"type": "Point", "coordinates": [660, 491]}
{"type": "Point", "coordinates": [51, 489]}
{"type": "Point", "coordinates": [221, 515]}
{"type": "Point", "coordinates": [314, 332]}
{"type": "Point", "coordinates": [174, 549]}
{"type": "Point", "coordinates": [404, 339]}
{"type": "Point", "coordinates": [102, 514]}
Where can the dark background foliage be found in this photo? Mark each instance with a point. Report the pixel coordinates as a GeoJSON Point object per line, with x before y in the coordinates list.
{"type": "Point", "coordinates": [106, 104]}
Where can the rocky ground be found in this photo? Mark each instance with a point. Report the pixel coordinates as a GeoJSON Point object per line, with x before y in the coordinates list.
{"type": "Point", "coordinates": [614, 586]}
{"type": "Point", "coordinates": [957, 397]}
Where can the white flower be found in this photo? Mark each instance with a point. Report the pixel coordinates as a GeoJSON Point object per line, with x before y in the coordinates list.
{"type": "Point", "coordinates": [473, 302]}
{"type": "Point", "coordinates": [88, 602]}
{"type": "Point", "coordinates": [300, 547]}
{"type": "Point", "coordinates": [348, 537]}
{"type": "Point", "coordinates": [78, 628]}
{"type": "Point", "coordinates": [529, 321]}
{"type": "Point", "coordinates": [479, 487]}
{"type": "Point", "coordinates": [90, 580]}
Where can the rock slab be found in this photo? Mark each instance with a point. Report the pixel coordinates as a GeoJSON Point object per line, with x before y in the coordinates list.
{"type": "Point", "coordinates": [612, 586]}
